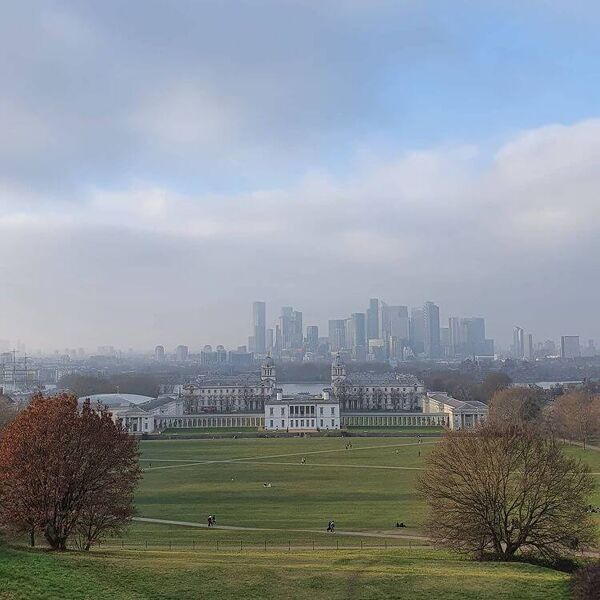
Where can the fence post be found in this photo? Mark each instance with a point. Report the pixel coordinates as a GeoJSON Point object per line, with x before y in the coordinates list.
{"type": "Point", "coordinates": [289, 546]}
{"type": "Point", "coordinates": [361, 543]}
{"type": "Point", "coordinates": [313, 544]}
{"type": "Point", "coordinates": [265, 545]}
{"type": "Point", "coordinates": [146, 544]}
{"type": "Point", "coordinates": [169, 544]}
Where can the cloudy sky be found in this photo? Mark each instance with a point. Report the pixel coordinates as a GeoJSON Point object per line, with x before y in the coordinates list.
{"type": "Point", "coordinates": [163, 164]}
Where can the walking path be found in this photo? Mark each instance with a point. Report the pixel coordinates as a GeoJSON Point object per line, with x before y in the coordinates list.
{"type": "Point", "coordinates": [368, 534]}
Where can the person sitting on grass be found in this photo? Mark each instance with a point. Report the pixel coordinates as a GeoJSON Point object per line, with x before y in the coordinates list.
{"type": "Point", "coordinates": [303, 461]}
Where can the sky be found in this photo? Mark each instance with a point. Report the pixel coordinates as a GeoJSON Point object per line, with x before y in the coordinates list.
{"type": "Point", "coordinates": [164, 164]}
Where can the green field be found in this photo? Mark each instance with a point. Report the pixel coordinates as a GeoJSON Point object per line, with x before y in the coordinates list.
{"type": "Point", "coordinates": [400, 574]}
{"type": "Point", "coordinates": [366, 489]}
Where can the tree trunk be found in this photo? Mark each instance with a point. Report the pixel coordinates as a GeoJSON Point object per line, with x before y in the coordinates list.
{"type": "Point", "coordinates": [32, 537]}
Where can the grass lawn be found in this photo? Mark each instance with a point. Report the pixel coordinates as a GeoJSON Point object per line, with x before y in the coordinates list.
{"type": "Point", "coordinates": [196, 430]}
{"type": "Point", "coordinates": [368, 488]}
{"type": "Point", "coordinates": [396, 429]}
{"type": "Point", "coordinates": [400, 574]}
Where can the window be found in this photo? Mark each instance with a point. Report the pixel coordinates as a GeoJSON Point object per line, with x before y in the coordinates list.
{"type": "Point", "coordinates": [271, 411]}
{"type": "Point", "coordinates": [282, 423]}
{"type": "Point", "coordinates": [282, 411]}
{"type": "Point", "coordinates": [333, 410]}
{"type": "Point", "coordinates": [302, 423]}
{"type": "Point", "coordinates": [321, 422]}
{"type": "Point", "coordinates": [271, 421]}
{"type": "Point", "coordinates": [321, 412]}
{"type": "Point", "coordinates": [333, 422]}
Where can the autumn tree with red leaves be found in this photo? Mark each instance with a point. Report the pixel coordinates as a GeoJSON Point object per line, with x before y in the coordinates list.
{"type": "Point", "coordinates": [67, 471]}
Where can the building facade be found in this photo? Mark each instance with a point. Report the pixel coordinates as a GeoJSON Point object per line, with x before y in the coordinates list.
{"type": "Point", "coordinates": [371, 392]}
{"type": "Point", "coordinates": [302, 412]}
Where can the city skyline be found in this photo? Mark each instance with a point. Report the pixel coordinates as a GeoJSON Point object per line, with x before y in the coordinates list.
{"type": "Point", "coordinates": [409, 151]}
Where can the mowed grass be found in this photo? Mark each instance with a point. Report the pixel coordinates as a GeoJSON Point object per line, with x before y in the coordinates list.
{"type": "Point", "coordinates": [399, 574]}
{"type": "Point", "coordinates": [366, 488]}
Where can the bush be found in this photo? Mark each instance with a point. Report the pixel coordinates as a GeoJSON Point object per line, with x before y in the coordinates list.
{"type": "Point", "coordinates": [586, 582]}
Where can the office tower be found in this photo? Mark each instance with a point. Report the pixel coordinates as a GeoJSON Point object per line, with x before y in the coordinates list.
{"type": "Point", "coordinates": [529, 354]}
{"type": "Point", "coordinates": [269, 340]}
{"type": "Point", "coordinates": [159, 353]}
{"type": "Point", "coordinates": [417, 330]}
{"type": "Point", "coordinates": [337, 335]}
{"type": "Point", "coordinates": [518, 346]}
{"type": "Point", "coordinates": [445, 341]}
{"type": "Point", "coordinates": [298, 339]}
{"type": "Point", "coordinates": [259, 324]}
{"type": "Point", "coordinates": [394, 327]}
{"type": "Point", "coordinates": [431, 330]}
{"type": "Point", "coordinates": [373, 319]}
{"type": "Point", "coordinates": [455, 334]}
{"type": "Point", "coordinates": [569, 346]}
{"type": "Point", "coordinates": [312, 338]}
{"type": "Point", "coordinates": [357, 338]}
{"type": "Point", "coordinates": [181, 353]}
{"type": "Point", "coordinates": [290, 334]}
{"type": "Point", "coordinates": [251, 343]}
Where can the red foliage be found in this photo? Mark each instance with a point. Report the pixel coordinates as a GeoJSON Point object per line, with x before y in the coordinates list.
{"type": "Point", "coordinates": [66, 471]}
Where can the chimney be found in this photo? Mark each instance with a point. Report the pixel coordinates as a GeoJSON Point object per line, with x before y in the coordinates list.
{"type": "Point", "coordinates": [279, 395]}
{"type": "Point", "coordinates": [326, 394]}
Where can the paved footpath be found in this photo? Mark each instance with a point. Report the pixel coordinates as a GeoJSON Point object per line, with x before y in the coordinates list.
{"type": "Point", "coordinates": [368, 534]}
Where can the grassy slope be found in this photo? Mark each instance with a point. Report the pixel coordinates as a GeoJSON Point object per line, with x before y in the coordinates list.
{"type": "Point", "coordinates": [332, 575]}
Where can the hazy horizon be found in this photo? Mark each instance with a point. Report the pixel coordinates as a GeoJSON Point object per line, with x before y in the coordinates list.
{"type": "Point", "coordinates": [162, 166]}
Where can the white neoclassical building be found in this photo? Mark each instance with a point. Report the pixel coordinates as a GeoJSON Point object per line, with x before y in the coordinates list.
{"type": "Point", "coordinates": [302, 412]}
{"type": "Point", "coordinates": [460, 413]}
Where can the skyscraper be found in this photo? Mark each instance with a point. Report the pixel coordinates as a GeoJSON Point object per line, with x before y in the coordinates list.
{"type": "Point", "coordinates": [337, 334]}
{"type": "Point", "coordinates": [159, 353]}
{"type": "Point", "coordinates": [312, 337]}
{"type": "Point", "coordinates": [569, 346]}
{"type": "Point", "coordinates": [181, 353]}
{"type": "Point", "coordinates": [373, 319]}
{"type": "Point", "coordinates": [259, 325]}
{"type": "Point", "coordinates": [518, 346]}
{"type": "Point", "coordinates": [417, 330]}
{"type": "Point", "coordinates": [357, 337]}
{"type": "Point", "coordinates": [431, 330]}
{"type": "Point", "coordinates": [290, 332]}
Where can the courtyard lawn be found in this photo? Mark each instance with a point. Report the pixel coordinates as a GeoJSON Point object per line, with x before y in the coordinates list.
{"type": "Point", "coordinates": [140, 575]}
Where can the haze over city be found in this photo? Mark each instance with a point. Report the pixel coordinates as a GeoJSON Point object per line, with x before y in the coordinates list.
{"type": "Point", "coordinates": [159, 171]}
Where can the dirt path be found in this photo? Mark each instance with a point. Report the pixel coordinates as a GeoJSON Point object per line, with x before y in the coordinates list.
{"type": "Point", "coordinates": [368, 534]}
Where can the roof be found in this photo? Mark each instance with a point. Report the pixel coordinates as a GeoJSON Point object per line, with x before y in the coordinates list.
{"type": "Point", "coordinates": [112, 400]}
{"type": "Point", "coordinates": [158, 402]}
{"type": "Point", "coordinates": [466, 405]}
{"type": "Point", "coordinates": [365, 378]}
{"type": "Point", "coordinates": [303, 397]}
{"type": "Point", "coordinates": [242, 380]}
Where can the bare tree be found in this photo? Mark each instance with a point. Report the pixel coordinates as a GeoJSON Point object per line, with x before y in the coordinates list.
{"type": "Point", "coordinates": [576, 416]}
{"type": "Point", "coordinates": [506, 490]}
{"type": "Point", "coordinates": [516, 406]}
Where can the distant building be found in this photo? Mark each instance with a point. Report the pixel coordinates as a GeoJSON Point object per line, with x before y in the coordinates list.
{"type": "Point", "coordinates": [312, 338]}
{"type": "Point", "coordinates": [181, 353]}
{"type": "Point", "coordinates": [569, 346]}
{"type": "Point", "coordinates": [417, 331]}
{"type": "Point", "coordinates": [518, 346]}
{"type": "Point", "coordinates": [431, 330]}
{"type": "Point", "coordinates": [303, 412]}
{"type": "Point", "coordinates": [372, 391]}
{"type": "Point", "coordinates": [337, 335]}
{"type": "Point", "coordinates": [159, 353]}
{"type": "Point", "coordinates": [461, 414]}
{"type": "Point", "coordinates": [373, 319]}
{"type": "Point", "coordinates": [259, 331]}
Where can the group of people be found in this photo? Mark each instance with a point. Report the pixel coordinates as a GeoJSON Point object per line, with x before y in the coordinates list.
{"type": "Point", "coordinates": [593, 509]}
{"type": "Point", "coordinates": [212, 521]}
{"type": "Point", "coordinates": [349, 446]}
{"type": "Point", "coordinates": [331, 527]}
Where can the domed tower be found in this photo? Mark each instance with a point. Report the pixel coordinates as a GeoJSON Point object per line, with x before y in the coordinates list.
{"type": "Point", "coordinates": [338, 370]}
{"type": "Point", "coordinates": [267, 371]}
